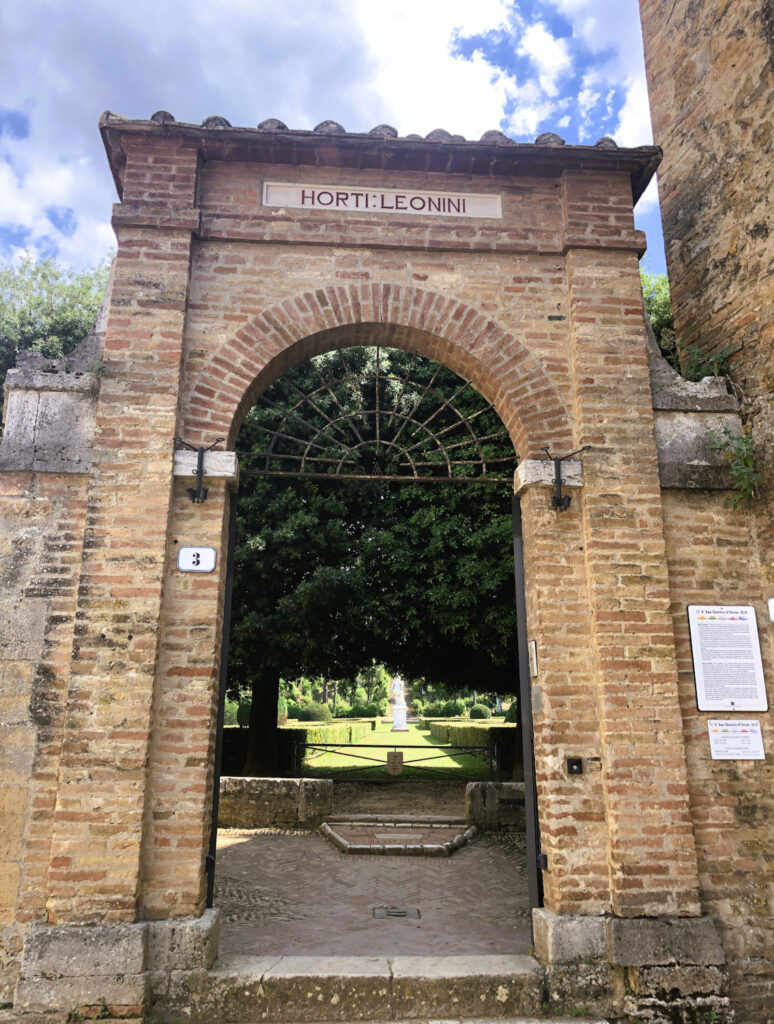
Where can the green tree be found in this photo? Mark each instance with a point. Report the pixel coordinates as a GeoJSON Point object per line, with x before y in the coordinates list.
{"type": "Point", "coordinates": [335, 577]}
{"type": "Point", "coordinates": [658, 307]}
{"type": "Point", "coordinates": [46, 308]}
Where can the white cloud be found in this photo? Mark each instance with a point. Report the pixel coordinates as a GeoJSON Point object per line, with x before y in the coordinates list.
{"type": "Point", "coordinates": [415, 73]}
{"type": "Point", "coordinates": [359, 62]}
{"type": "Point", "coordinates": [634, 127]}
{"type": "Point", "coordinates": [548, 54]}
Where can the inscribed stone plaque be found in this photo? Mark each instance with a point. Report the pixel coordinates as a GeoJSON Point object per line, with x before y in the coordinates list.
{"type": "Point", "coordinates": [365, 199]}
{"type": "Point", "coordinates": [735, 739]}
{"type": "Point", "coordinates": [727, 658]}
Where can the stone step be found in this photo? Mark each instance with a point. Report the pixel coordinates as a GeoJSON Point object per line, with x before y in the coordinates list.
{"type": "Point", "coordinates": [320, 989]}
{"type": "Point", "coordinates": [398, 819]}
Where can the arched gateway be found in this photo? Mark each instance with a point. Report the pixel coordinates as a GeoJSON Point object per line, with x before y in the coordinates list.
{"type": "Point", "coordinates": [240, 253]}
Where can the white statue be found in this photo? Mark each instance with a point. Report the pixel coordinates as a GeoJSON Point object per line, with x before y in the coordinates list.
{"type": "Point", "coordinates": [398, 705]}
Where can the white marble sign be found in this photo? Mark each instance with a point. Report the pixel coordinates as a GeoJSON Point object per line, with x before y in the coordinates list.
{"type": "Point", "coordinates": [735, 739]}
{"type": "Point", "coordinates": [362, 199]}
{"type": "Point", "coordinates": [727, 658]}
{"type": "Point", "coordinates": [190, 559]}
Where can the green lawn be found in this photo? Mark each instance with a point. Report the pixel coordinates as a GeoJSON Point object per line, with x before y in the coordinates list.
{"type": "Point", "coordinates": [338, 764]}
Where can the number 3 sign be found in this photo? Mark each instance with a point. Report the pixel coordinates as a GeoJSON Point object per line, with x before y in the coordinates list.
{"type": "Point", "coordinates": [196, 559]}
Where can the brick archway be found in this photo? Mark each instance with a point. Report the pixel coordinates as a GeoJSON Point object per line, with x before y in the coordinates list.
{"type": "Point", "coordinates": [428, 323]}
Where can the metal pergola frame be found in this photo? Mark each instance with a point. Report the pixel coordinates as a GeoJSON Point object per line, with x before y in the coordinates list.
{"type": "Point", "coordinates": [412, 430]}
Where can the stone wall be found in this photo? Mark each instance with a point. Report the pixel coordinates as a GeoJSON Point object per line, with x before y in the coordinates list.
{"type": "Point", "coordinates": [274, 803]}
{"type": "Point", "coordinates": [710, 68]}
{"type": "Point", "coordinates": [41, 532]}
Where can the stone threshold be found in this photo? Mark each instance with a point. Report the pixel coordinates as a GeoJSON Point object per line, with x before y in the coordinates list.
{"type": "Point", "coordinates": [364, 837]}
{"type": "Point", "coordinates": [318, 989]}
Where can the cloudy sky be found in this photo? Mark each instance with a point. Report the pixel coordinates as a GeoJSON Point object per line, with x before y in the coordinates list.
{"type": "Point", "coordinates": [523, 66]}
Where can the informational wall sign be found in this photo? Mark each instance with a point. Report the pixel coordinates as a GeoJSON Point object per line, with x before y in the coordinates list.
{"type": "Point", "coordinates": [727, 658]}
{"type": "Point", "coordinates": [735, 739]}
{"type": "Point", "coordinates": [533, 662]}
{"type": "Point", "coordinates": [354, 198]}
{"type": "Point", "coordinates": [196, 559]}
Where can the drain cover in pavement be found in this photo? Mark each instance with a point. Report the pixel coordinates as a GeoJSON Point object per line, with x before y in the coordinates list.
{"type": "Point", "coordinates": [382, 913]}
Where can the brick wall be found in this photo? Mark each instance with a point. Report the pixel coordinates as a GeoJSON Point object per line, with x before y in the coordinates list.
{"type": "Point", "coordinates": [711, 558]}
{"type": "Point", "coordinates": [542, 312]}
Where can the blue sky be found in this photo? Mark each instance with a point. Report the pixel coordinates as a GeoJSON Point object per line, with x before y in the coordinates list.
{"type": "Point", "coordinates": [570, 66]}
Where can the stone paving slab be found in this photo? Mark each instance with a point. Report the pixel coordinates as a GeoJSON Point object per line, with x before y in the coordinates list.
{"type": "Point", "coordinates": [296, 894]}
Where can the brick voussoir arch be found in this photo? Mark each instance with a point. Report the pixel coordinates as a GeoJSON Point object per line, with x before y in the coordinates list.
{"type": "Point", "coordinates": [434, 325]}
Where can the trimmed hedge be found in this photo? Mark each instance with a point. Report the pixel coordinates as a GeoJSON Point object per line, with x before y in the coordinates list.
{"type": "Point", "coordinates": [315, 713]}
{"type": "Point", "coordinates": [294, 739]}
{"type": "Point", "coordinates": [480, 734]}
{"type": "Point", "coordinates": [480, 711]}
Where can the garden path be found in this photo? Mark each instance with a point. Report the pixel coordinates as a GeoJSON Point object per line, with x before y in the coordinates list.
{"type": "Point", "coordinates": [296, 894]}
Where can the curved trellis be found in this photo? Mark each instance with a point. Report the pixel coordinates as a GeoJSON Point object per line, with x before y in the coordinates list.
{"type": "Point", "coordinates": [376, 413]}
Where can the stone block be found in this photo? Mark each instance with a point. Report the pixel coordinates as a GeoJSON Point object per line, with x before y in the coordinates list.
{"type": "Point", "coordinates": [22, 628]}
{"type": "Point", "coordinates": [652, 942]}
{"type": "Point", "coordinates": [540, 472]}
{"type": "Point", "coordinates": [713, 1009]}
{"type": "Point", "coordinates": [459, 986]}
{"type": "Point", "coordinates": [39, 995]}
{"type": "Point", "coordinates": [685, 456]}
{"type": "Point", "coordinates": [102, 951]}
{"type": "Point", "coordinates": [564, 938]}
{"type": "Point", "coordinates": [582, 987]}
{"type": "Point", "coordinates": [493, 806]}
{"type": "Point", "coordinates": [9, 888]}
{"type": "Point", "coordinates": [315, 802]}
{"type": "Point", "coordinates": [13, 808]}
{"type": "Point", "coordinates": [217, 465]}
{"type": "Point", "coordinates": [183, 944]}
{"type": "Point", "coordinates": [663, 982]}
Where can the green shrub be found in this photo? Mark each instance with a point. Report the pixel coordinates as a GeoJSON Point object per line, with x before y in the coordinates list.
{"type": "Point", "coordinates": [480, 711]}
{"type": "Point", "coordinates": [282, 711]}
{"type": "Point", "coordinates": [230, 713]}
{"type": "Point", "coordinates": [454, 707]}
{"type": "Point", "coordinates": [315, 713]}
{"type": "Point", "coordinates": [512, 714]}
{"type": "Point", "coordinates": [243, 712]}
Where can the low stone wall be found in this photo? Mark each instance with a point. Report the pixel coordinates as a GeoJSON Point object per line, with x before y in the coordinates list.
{"type": "Point", "coordinates": [274, 803]}
{"type": "Point", "coordinates": [495, 806]}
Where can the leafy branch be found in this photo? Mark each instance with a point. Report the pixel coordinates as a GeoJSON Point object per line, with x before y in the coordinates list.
{"type": "Point", "coordinates": [740, 452]}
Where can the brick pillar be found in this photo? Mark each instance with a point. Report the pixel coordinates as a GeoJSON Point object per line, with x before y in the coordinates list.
{"type": "Point", "coordinates": [98, 817]}
{"type": "Point", "coordinates": [181, 766]}
{"type": "Point", "coordinates": [651, 854]}
{"type": "Point", "coordinates": [573, 829]}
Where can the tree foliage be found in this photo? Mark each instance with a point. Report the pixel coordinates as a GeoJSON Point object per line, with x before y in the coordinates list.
{"type": "Point", "coordinates": [658, 307]}
{"type": "Point", "coordinates": [334, 576]}
{"type": "Point", "coordinates": [46, 308]}
{"type": "Point", "coordinates": [691, 361]}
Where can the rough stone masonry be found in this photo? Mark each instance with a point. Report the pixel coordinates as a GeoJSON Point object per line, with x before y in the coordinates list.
{"type": "Point", "coordinates": [710, 68]}
{"type": "Point", "coordinates": [111, 655]}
